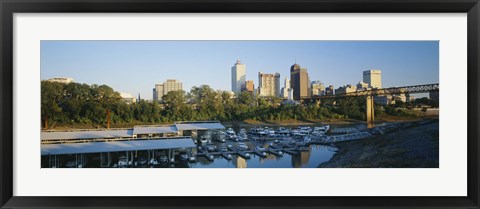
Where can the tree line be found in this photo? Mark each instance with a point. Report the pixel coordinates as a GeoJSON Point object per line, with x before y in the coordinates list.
{"type": "Point", "coordinates": [74, 103]}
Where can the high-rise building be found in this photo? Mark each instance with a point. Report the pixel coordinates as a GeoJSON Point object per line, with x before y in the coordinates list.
{"type": "Point", "coordinates": [248, 86]}
{"type": "Point", "coordinates": [318, 89]}
{"type": "Point", "coordinates": [373, 78]}
{"type": "Point", "coordinates": [286, 90]}
{"type": "Point", "coordinates": [269, 84]}
{"type": "Point", "coordinates": [300, 82]}
{"type": "Point", "coordinates": [162, 89]}
{"type": "Point", "coordinates": [238, 76]}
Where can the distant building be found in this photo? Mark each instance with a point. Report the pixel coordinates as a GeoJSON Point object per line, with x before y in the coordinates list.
{"type": "Point", "coordinates": [248, 86]}
{"type": "Point", "coordinates": [318, 89]}
{"type": "Point", "coordinates": [329, 90]}
{"type": "Point", "coordinates": [128, 98]}
{"type": "Point", "coordinates": [384, 99]}
{"type": "Point", "coordinates": [410, 98]}
{"type": "Point", "coordinates": [346, 89]}
{"type": "Point", "coordinates": [287, 89]}
{"type": "Point", "coordinates": [300, 82]}
{"type": "Point", "coordinates": [400, 97]}
{"type": "Point", "coordinates": [238, 76]}
{"type": "Point", "coordinates": [269, 84]}
{"type": "Point", "coordinates": [162, 89]}
{"type": "Point", "coordinates": [64, 80]}
{"type": "Point", "coordinates": [362, 86]}
{"type": "Point", "coordinates": [373, 78]}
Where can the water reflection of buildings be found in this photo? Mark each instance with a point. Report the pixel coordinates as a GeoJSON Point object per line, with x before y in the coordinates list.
{"type": "Point", "coordinates": [301, 159]}
{"type": "Point", "coordinates": [269, 157]}
{"type": "Point", "coordinates": [240, 163]}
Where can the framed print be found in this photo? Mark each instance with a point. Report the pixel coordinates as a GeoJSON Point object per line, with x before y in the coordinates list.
{"type": "Point", "coordinates": [263, 104]}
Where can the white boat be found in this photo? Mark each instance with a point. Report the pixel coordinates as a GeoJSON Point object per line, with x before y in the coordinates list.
{"type": "Point", "coordinates": [222, 136]}
{"type": "Point", "coordinates": [230, 131]}
{"type": "Point", "coordinates": [163, 159]}
{"type": "Point", "coordinates": [260, 148]}
{"type": "Point", "coordinates": [323, 129]}
{"type": "Point", "coordinates": [122, 161]}
{"type": "Point", "coordinates": [242, 145]}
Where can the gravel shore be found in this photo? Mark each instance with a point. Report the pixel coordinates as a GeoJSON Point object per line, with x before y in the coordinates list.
{"type": "Point", "coordinates": [415, 146]}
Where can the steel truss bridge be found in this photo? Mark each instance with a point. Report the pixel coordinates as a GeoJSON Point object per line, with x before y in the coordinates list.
{"type": "Point", "coordinates": [368, 94]}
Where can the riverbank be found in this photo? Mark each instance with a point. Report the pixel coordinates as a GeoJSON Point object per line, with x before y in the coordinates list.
{"type": "Point", "coordinates": [415, 146]}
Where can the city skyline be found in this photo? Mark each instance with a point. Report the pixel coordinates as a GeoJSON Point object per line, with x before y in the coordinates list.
{"type": "Point", "coordinates": [135, 67]}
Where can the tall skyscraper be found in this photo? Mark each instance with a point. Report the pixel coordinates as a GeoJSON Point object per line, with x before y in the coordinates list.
{"type": "Point", "coordinates": [286, 88]}
{"type": "Point", "coordinates": [269, 84]}
{"type": "Point", "coordinates": [300, 82]}
{"type": "Point", "coordinates": [238, 76]}
{"type": "Point", "coordinates": [162, 89]}
{"type": "Point", "coordinates": [373, 78]}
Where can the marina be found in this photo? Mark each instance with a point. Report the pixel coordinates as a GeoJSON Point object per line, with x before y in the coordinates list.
{"type": "Point", "coordinates": [194, 145]}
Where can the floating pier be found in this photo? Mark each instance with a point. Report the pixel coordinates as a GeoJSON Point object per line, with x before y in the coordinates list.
{"type": "Point", "coordinates": [259, 153]}
{"type": "Point", "coordinates": [243, 154]}
{"type": "Point", "coordinates": [291, 151]}
{"type": "Point", "coordinates": [275, 152]}
{"type": "Point", "coordinates": [226, 155]}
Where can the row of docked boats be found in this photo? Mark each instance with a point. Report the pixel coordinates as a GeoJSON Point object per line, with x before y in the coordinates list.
{"type": "Point", "coordinates": [282, 131]}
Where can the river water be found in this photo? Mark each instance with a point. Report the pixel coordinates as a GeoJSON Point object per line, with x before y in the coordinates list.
{"type": "Point", "coordinates": [316, 155]}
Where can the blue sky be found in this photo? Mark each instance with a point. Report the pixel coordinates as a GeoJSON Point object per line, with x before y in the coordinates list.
{"type": "Point", "coordinates": [136, 66]}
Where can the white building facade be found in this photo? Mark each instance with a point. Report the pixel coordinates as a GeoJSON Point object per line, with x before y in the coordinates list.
{"type": "Point", "coordinates": [373, 78]}
{"type": "Point", "coordinates": [238, 76]}
{"type": "Point", "coordinates": [269, 84]}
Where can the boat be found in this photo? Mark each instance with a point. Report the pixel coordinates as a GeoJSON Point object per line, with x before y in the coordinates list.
{"type": "Point", "coordinates": [183, 157]}
{"type": "Point", "coordinates": [163, 159]}
{"type": "Point", "coordinates": [283, 131]}
{"type": "Point", "coordinates": [153, 162]}
{"type": "Point", "coordinates": [205, 138]}
{"type": "Point", "coordinates": [122, 162]}
{"type": "Point", "coordinates": [230, 131]}
{"type": "Point", "coordinates": [221, 136]}
{"type": "Point", "coordinates": [260, 148]}
{"type": "Point", "coordinates": [242, 145]}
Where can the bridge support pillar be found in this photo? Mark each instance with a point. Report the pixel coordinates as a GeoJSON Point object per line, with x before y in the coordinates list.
{"type": "Point", "coordinates": [370, 109]}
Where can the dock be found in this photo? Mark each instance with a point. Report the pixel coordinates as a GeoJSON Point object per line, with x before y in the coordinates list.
{"type": "Point", "coordinates": [243, 154]}
{"type": "Point", "coordinates": [291, 151]}
{"type": "Point", "coordinates": [226, 155]}
{"type": "Point", "coordinates": [259, 153]}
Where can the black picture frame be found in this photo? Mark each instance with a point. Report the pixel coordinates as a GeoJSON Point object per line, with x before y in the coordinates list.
{"type": "Point", "coordinates": [9, 7]}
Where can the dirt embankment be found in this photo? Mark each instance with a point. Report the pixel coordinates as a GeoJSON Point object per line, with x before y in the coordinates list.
{"type": "Point", "coordinates": [415, 146]}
